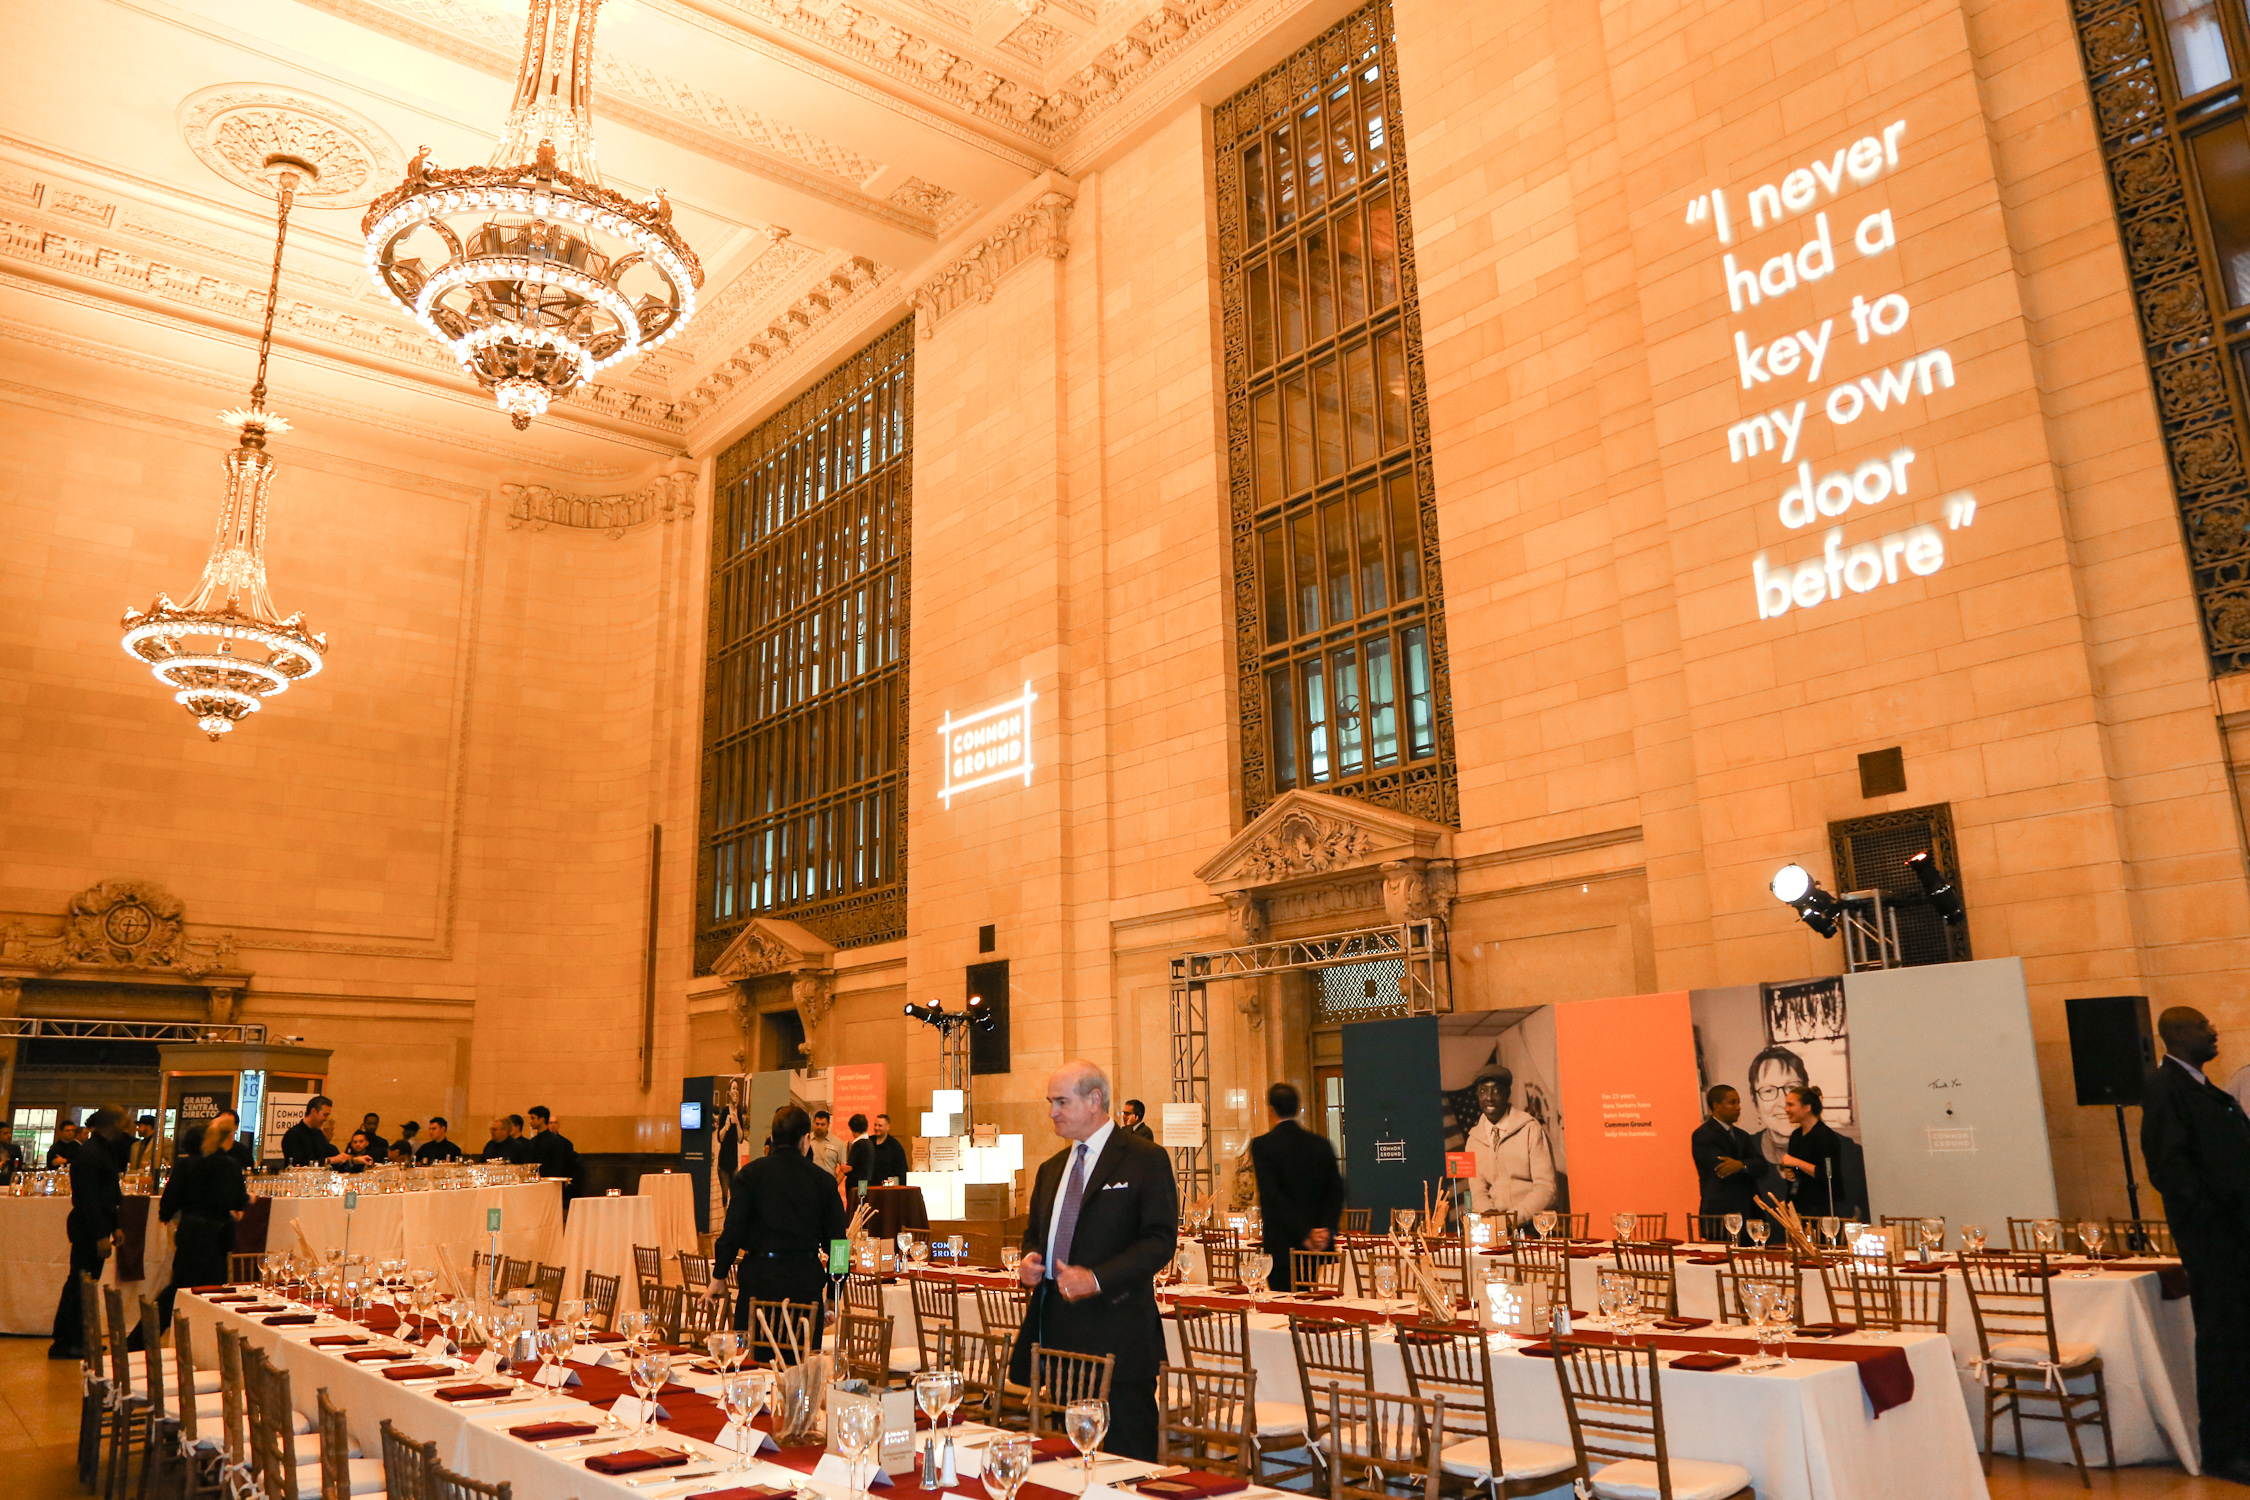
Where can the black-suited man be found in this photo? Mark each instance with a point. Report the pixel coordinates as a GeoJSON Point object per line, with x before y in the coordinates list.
{"type": "Point", "coordinates": [782, 1218]}
{"type": "Point", "coordinates": [2196, 1141]}
{"type": "Point", "coordinates": [1300, 1190]}
{"type": "Point", "coordinates": [1726, 1156]}
{"type": "Point", "coordinates": [95, 1202]}
{"type": "Point", "coordinates": [1105, 1218]}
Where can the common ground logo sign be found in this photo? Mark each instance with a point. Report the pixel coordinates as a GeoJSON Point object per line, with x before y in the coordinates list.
{"type": "Point", "coordinates": [991, 745]}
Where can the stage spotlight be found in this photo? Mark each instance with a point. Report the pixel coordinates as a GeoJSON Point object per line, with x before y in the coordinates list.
{"type": "Point", "coordinates": [1794, 886]}
{"type": "Point", "coordinates": [928, 1015]}
{"type": "Point", "coordinates": [1945, 896]}
{"type": "Point", "coordinates": [981, 1015]}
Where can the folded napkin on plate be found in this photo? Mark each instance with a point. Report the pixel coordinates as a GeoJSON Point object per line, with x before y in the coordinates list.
{"type": "Point", "coordinates": [633, 1460]}
{"type": "Point", "coordinates": [1054, 1447]}
{"type": "Point", "coordinates": [252, 1306]}
{"type": "Point", "coordinates": [1705, 1260]}
{"type": "Point", "coordinates": [417, 1372]}
{"type": "Point", "coordinates": [477, 1392]}
{"type": "Point", "coordinates": [1825, 1330]}
{"type": "Point", "coordinates": [547, 1432]}
{"type": "Point", "coordinates": [1918, 1269]}
{"type": "Point", "coordinates": [1540, 1350]}
{"type": "Point", "coordinates": [331, 1340]}
{"type": "Point", "coordinates": [1195, 1484]}
{"type": "Point", "coordinates": [1680, 1325]}
{"type": "Point", "coordinates": [370, 1356]}
{"type": "Point", "coordinates": [1706, 1361]}
{"type": "Point", "coordinates": [290, 1320]}
{"type": "Point", "coordinates": [1319, 1296]}
{"type": "Point", "coordinates": [205, 1291]}
{"type": "Point", "coordinates": [741, 1492]}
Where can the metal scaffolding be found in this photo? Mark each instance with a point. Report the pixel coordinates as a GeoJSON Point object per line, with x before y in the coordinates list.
{"type": "Point", "coordinates": [1424, 990]}
{"type": "Point", "coordinates": [23, 1028]}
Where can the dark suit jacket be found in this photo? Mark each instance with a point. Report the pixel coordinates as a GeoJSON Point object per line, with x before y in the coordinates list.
{"type": "Point", "coordinates": [1299, 1186]}
{"type": "Point", "coordinates": [1128, 1230]}
{"type": "Point", "coordinates": [1736, 1194]}
{"type": "Point", "coordinates": [2196, 1142]}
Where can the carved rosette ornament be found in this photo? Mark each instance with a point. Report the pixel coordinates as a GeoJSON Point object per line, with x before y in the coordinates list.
{"type": "Point", "coordinates": [234, 128]}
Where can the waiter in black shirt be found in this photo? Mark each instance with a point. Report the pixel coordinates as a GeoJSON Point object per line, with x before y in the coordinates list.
{"type": "Point", "coordinates": [437, 1148]}
{"type": "Point", "coordinates": [781, 1220]}
{"type": "Point", "coordinates": [876, 1158]}
{"type": "Point", "coordinates": [1726, 1158]}
{"type": "Point", "coordinates": [95, 1202]}
{"type": "Point", "coordinates": [551, 1149]}
{"type": "Point", "coordinates": [306, 1144]}
{"type": "Point", "coordinates": [11, 1154]}
{"type": "Point", "coordinates": [64, 1149]}
{"type": "Point", "coordinates": [371, 1126]}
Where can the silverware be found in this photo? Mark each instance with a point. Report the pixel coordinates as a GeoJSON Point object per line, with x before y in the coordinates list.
{"type": "Point", "coordinates": [576, 1442]}
{"type": "Point", "coordinates": [646, 1479]}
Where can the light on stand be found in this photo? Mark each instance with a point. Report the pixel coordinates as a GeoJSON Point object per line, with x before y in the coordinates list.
{"type": "Point", "coordinates": [1945, 896]}
{"type": "Point", "coordinates": [1794, 886]}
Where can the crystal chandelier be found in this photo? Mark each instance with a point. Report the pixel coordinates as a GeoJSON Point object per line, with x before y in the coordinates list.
{"type": "Point", "coordinates": [530, 272]}
{"type": "Point", "coordinates": [206, 649]}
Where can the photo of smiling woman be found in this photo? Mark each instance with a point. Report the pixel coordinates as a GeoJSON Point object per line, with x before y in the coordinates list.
{"type": "Point", "coordinates": [1767, 1041]}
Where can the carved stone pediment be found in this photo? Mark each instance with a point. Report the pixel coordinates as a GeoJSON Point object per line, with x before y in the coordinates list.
{"type": "Point", "coordinates": [769, 947]}
{"type": "Point", "coordinates": [120, 924]}
{"type": "Point", "coordinates": [1309, 836]}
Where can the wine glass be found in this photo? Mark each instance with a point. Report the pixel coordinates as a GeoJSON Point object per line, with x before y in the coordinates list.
{"type": "Point", "coordinates": [726, 1350]}
{"type": "Point", "coordinates": [562, 1338]}
{"type": "Point", "coordinates": [2090, 1235]}
{"type": "Point", "coordinates": [1007, 1463]}
{"type": "Point", "coordinates": [1011, 1256]}
{"type": "Point", "coordinates": [635, 1326]}
{"type": "Point", "coordinates": [1972, 1239]}
{"type": "Point", "coordinates": [1757, 1306]}
{"type": "Point", "coordinates": [858, 1426]}
{"type": "Point", "coordinates": [736, 1401]}
{"type": "Point", "coordinates": [1085, 1423]}
{"type": "Point", "coordinates": [1628, 1303]}
{"type": "Point", "coordinates": [648, 1372]}
{"type": "Point", "coordinates": [1544, 1221]}
{"type": "Point", "coordinates": [1183, 1263]}
{"type": "Point", "coordinates": [1931, 1232]}
{"type": "Point", "coordinates": [1733, 1224]}
{"type": "Point", "coordinates": [1386, 1279]}
{"type": "Point", "coordinates": [956, 1388]}
{"type": "Point", "coordinates": [1623, 1224]}
{"type": "Point", "coordinates": [929, 1394]}
{"type": "Point", "coordinates": [2046, 1235]}
{"type": "Point", "coordinates": [1605, 1297]}
{"type": "Point", "coordinates": [1257, 1266]}
{"type": "Point", "coordinates": [424, 1299]}
{"type": "Point", "coordinates": [1781, 1309]}
{"type": "Point", "coordinates": [1402, 1222]}
{"type": "Point", "coordinates": [1759, 1230]}
{"type": "Point", "coordinates": [1830, 1227]}
{"type": "Point", "coordinates": [906, 1245]}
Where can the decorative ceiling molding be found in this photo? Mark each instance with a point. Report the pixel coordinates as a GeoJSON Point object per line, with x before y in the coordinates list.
{"type": "Point", "coordinates": [668, 497]}
{"type": "Point", "coordinates": [1037, 231]}
{"type": "Point", "coordinates": [233, 127]}
{"type": "Point", "coordinates": [803, 330]}
{"type": "Point", "coordinates": [491, 42]}
{"type": "Point", "coordinates": [722, 316]}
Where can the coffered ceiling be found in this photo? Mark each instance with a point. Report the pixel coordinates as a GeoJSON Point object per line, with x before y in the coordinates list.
{"type": "Point", "coordinates": [824, 159]}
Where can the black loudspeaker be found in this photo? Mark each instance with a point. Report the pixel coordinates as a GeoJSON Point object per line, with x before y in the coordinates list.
{"type": "Point", "coordinates": [2112, 1047]}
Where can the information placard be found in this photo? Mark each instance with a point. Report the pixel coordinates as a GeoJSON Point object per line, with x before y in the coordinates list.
{"type": "Point", "coordinates": [1181, 1126]}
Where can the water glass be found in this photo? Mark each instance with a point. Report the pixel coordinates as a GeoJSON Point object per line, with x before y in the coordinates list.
{"type": "Point", "coordinates": [1760, 1232]}
{"type": "Point", "coordinates": [1085, 1423]}
{"type": "Point", "coordinates": [1932, 1234]}
{"type": "Point", "coordinates": [2090, 1235]}
{"type": "Point", "coordinates": [1011, 1256]}
{"type": "Point", "coordinates": [648, 1372]}
{"type": "Point", "coordinates": [1605, 1297]}
{"type": "Point", "coordinates": [1007, 1463]}
{"type": "Point", "coordinates": [1386, 1280]}
{"type": "Point", "coordinates": [1402, 1222]}
{"type": "Point", "coordinates": [1831, 1227]}
{"type": "Point", "coordinates": [1623, 1224]}
{"type": "Point", "coordinates": [2046, 1235]}
{"type": "Point", "coordinates": [1972, 1239]}
{"type": "Point", "coordinates": [726, 1350]}
{"type": "Point", "coordinates": [1733, 1224]}
{"type": "Point", "coordinates": [858, 1426]}
{"type": "Point", "coordinates": [1544, 1221]}
{"type": "Point", "coordinates": [735, 1403]}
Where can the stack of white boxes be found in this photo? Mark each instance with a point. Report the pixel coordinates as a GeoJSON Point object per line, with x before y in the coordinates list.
{"type": "Point", "coordinates": [957, 1164]}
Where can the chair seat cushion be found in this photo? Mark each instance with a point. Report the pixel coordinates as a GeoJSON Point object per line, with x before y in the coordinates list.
{"type": "Point", "coordinates": [1692, 1479]}
{"type": "Point", "coordinates": [1520, 1458]}
{"type": "Point", "coordinates": [365, 1478]}
{"type": "Point", "coordinates": [1280, 1419]}
{"type": "Point", "coordinates": [2017, 1354]}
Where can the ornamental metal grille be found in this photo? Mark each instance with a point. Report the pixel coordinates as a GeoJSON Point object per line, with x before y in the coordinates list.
{"type": "Point", "coordinates": [2169, 109]}
{"type": "Point", "coordinates": [804, 699]}
{"type": "Point", "coordinates": [1871, 854]}
{"type": "Point", "coordinates": [1339, 620]}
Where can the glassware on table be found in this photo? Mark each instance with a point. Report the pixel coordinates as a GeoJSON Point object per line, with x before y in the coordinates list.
{"type": "Point", "coordinates": [562, 1337]}
{"type": "Point", "coordinates": [726, 1349]}
{"type": "Point", "coordinates": [929, 1395]}
{"type": "Point", "coordinates": [1605, 1296]}
{"type": "Point", "coordinates": [1759, 1231]}
{"type": "Point", "coordinates": [635, 1325]}
{"type": "Point", "coordinates": [956, 1389]}
{"type": "Point", "coordinates": [1086, 1423]}
{"type": "Point", "coordinates": [1183, 1264]}
{"type": "Point", "coordinates": [1931, 1233]}
{"type": "Point", "coordinates": [1972, 1239]}
{"type": "Point", "coordinates": [1733, 1223]}
{"type": "Point", "coordinates": [1830, 1228]}
{"type": "Point", "coordinates": [735, 1401]}
{"type": "Point", "coordinates": [906, 1244]}
{"type": "Point", "coordinates": [1257, 1266]}
{"type": "Point", "coordinates": [857, 1425]}
{"type": "Point", "coordinates": [1623, 1224]}
{"type": "Point", "coordinates": [1628, 1304]}
{"type": "Point", "coordinates": [1011, 1256]}
{"type": "Point", "coordinates": [1781, 1315]}
{"type": "Point", "coordinates": [1402, 1222]}
{"type": "Point", "coordinates": [921, 1253]}
{"type": "Point", "coordinates": [1544, 1221]}
{"type": "Point", "coordinates": [1007, 1463]}
{"type": "Point", "coordinates": [648, 1372]}
{"type": "Point", "coordinates": [1386, 1280]}
{"type": "Point", "coordinates": [2090, 1235]}
{"type": "Point", "coordinates": [2046, 1235]}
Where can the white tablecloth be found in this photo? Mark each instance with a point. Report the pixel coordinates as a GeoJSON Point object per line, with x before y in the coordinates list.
{"type": "Point", "coordinates": [2147, 1346]}
{"type": "Point", "coordinates": [600, 1238]}
{"type": "Point", "coordinates": [440, 1227]}
{"type": "Point", "coordinates": [35, 1259]}
{"type": "Point", "coordinates": [674, 1199]}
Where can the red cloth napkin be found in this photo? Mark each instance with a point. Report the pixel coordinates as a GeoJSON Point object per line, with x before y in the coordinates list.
{"type": "Point", "coordinates": [634, 1460]}
{"type": "Point", "coordinates": [1321, 1296]}
{"type": "Point", "coordinates": [470, 1392]}
{"type": "Point", "coordinates": [416, 1372]}
{"type": "Point", "coordinates": [1540, 1350]}
{"type": "Point", "coordinates": [1825, 1330]}
{"type": "Point", "coordinates": [1054, 1447]}
{"type": "Point", "coordinates": [1681, 1325]}
{"type": "Point", "coordinates": [290, 1320]}
{"type": "Point", "coordinates": [741, 1492]}
{"type": "Point", "coordinates": [1705, 1260]}
{"type": "Point", "coordinates": [603, 1338]}
{"type": "Point", "coordinates": [369, 1356]}
{"type": "Point", "coordinates": [1706, 1361]}
{"type": "Point", "coordinates": [544, 1432]}
{"type": "Point", "coordinates": [331, 1340]}
{"type": "Point", "coordinates": [1918, 1269]}
{"type": "Point", "coordinates": [1195, 1484]}
{"type": "Point", "coordinates": [205, 1291]}
{"type": "Point", "coordinates": [253, 1306]}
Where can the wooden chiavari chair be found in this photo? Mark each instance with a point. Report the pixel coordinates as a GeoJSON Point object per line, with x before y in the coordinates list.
{"type": "Point", "coordinates": [1059, 1378]}
{"type": "Point", "coordinates": [1615, 1404]}
{"type": "Point", "coordinates": [600, 1294]}
{"type": "Point", "coordinates": [2021, 1361]}
{"type": "Point", "coordinates": [1651, 1226]}
{"type": "Point", "coordinates": [1894, 1303]}
{"type": "Point", "coordinates": [1359, 1220]}
{"type": "Point", "coordinates": [94, 1410]}
{"type": "Point", "coordinates": [1773, 1260]}
{"type": "Point", "coordinates": [1454, 1365]}
{"type": "Point", "coordinates": [245, 1266]}
{"type": "Point", "coordinates": [1452, 1260]}
{"type": "Point", "coordinates": [700, 1316]}
{"type": "Point", "coordinates": [1206, 1419]}
{"type": "Point", "coordinates": [1366, 1255]}
{"type": "Point", "coordinates": [199, 1452]}
{"type": "Point", "coordinates": [1222, 1259]}
{"type": "Point", "coordinates": [788, 1331]}
{"type": "Point", "coordinates": [863, 1293]}
{"type": "Point", "coordinates": [982, 1359]}
{"type": "Point", "coordinates": [284, 1447]}
{"type": "Point", "coordinates": [648, 1265]}
{"type": "Point", "coordinates": [514, 1273]}
{"type": "Point", "coordinates": [234, 1414]}
{"type": "Point", "coordinates": [160, 1418]}
{"type": "Point", "coordinates": [129, 1409]}
{"type": "Point", "coordinates": [863, 1350]}
{"type": "Point", "coordinates": [695, 1270]}
{"type": "Point", "coordinates": [2142, 1237]}
{"type": "Point", "coordinates": [343, 1473]}
{"type": "Point", "coordinates": [1906, 1227]}
{"type": "Point", "coordinates": [1218, 1338]}
{"type": "Point", "coordinates": [937, 1307]}
{"type": "Point", "coordinates": [2019, 1235]}
{"type": "Point", "coordinates": [1734, 1285]}
{"type": "Point", "coordinates": [666, 1307]}
{"type": "Point", "coordinates": [1709, 1229]}
{"type": "Point", "coordinates": [1001, 1308]}
{"type": "Point", "coordinates": [1546, 1262]}
{"type": "Point", "coordinates": [444, 1484]}
{"type": "Point", "coordinates": [1650, 1269]}
{"type": "Point", "coordinates": [1385, 1447]}
{"type": "Point", "coordinates": [547, 1281]}
{"type": "Point", "coordinates": [406, 1465]}
{"type": "Point", "coordinates": [1329, 1351]}
{"type": "Point", "coordinates": [1316, 1271]}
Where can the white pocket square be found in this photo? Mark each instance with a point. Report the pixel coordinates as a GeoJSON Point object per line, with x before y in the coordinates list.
{"type": "Point", "coordinates": [1111, 1187]}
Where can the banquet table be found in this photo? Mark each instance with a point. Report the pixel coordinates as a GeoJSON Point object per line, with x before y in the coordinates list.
{"type": "Point", "coordinates": [672, 1199]}
{"type": "Point", "coordinates": [600, 1236]}
{"type": "Point", "coordinates": [35, 1261]}
{"type": "Point", "coordinates": [2147, 1344]}
{"type": "Point", "coordinates": [894, 1208]}
{"type": "Point", "coordinates": [429, 1227]}
{"type": "Point", "coordinates": [474, 1439]}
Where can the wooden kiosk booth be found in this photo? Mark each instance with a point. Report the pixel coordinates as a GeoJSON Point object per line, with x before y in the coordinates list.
{"type": "Point", "coordinates": [265, 1083]}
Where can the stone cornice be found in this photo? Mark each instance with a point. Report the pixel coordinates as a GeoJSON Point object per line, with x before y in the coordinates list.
{"type": "Point", "coordinates": [1037, 230]}
{"type": "Point", "coordinates": [668, 497]}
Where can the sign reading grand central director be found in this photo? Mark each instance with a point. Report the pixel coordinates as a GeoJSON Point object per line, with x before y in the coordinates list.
{"type": "Point", "coordinates": [993, 744]}
{"type": "Point", "coordinates": [1779, 352]}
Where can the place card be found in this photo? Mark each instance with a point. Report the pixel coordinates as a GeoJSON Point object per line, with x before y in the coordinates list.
{"type": "Point", "coordinates": [436, 1348]}
{"type": "Point", "coordinates": [834, 1469]}
{"type": "Point", "coordinates": [555, 1376]}
{"type": "Point", "coordinates": [488, 1363]}
{"type": "Point", "coordinates": [760, 1440]}
{"type": "Point", "coordinates": [629, 1409]}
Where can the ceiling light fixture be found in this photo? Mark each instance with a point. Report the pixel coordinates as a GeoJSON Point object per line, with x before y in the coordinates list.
{"type": "Point", "coordinates": [530, 272]}
{"type": "Point", "coordinates": [198, 648]}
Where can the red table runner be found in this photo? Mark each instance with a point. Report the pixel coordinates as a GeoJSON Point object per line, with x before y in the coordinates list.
{"type": "Point", "coordinates": [1883, 1369]}
{"type": "Point", "coordinates": [132, 1239]}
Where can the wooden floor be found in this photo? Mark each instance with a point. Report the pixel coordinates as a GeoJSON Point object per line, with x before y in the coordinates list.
{"type": "Point", "coordinates": [39, 1446]}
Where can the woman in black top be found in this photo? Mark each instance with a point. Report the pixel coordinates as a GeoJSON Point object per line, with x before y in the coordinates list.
{"type": "Point", "coordinates": [206, 1195]}
{"type": "Point", "coordinates": [1813, 1162]}
{"type": "Point", "coordinates": [781, 1219]}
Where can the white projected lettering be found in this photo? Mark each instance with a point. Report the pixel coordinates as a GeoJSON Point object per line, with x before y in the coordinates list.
{"type": "Point", "coordinates": [990, 745]}
{"type": "Point", "coordinates": [1851, 372]}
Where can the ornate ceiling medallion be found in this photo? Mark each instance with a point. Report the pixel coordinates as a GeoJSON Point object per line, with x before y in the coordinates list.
{"type": "Point", "coordinates": [234, 127]}
{"type": "Point", "coordinates": [530, 272]}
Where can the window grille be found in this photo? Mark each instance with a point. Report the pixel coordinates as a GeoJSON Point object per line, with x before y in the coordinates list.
{"type": "Point", "coordinates": [1871, 854]}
